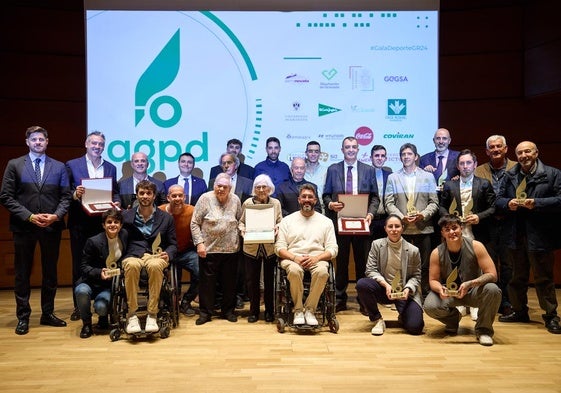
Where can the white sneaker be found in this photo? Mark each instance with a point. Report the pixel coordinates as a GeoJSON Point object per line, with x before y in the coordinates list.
{"type": "Point", "coordinates": [299, 318]}
{"type": "Point", "coordinates": [462, 310]}
{"type": "Point", "coordinates": [133, 326]}
{"type": "Point", "coordinates": [473, 313]}
{"type": "Point", "coordinates": [310, 318]}
{"type": "Point", "coordinates": [485, 340]}
{"type": "Point", "coordinates": [151, 325]}
{"type": "Point", "coordinates": [379, 327]}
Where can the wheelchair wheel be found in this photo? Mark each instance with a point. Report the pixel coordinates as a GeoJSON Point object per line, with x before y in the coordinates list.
{"type": "Point", "coordinates": [165, 331]}
{"type": "Point", "coordinates": [115, 334]}
{"type": "Point", "coordinates": [281, 324]}
{"type": "Point", "coordinates": [333, 325]}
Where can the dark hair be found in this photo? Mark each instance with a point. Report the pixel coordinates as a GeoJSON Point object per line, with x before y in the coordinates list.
{"type": "Point", "coordinates": [449, 219]}
{"type": "Point", "coordinates": [377, 147]}
{"type": "Point", "coordinates": [34, 129]}
{"type": "Point", "coordinates": [112, 213]}
{"type": "Point", "coordinates": [466, 152]}
{"type": "Point", "coordinates": [312, 143]}
{"type": "Point", "coordinates": [307, 186]}
{"type": "Point", "coordinates": [146, 185]}
{"type": "Point", "coordinates": [186, 154]}
{"type": "Point", "coordinates": [408, 146]}
{"type": "Point", "coordinates": [234, 141]}
{"type": "Point", "coordinates": [347, 138]}
{"type": "Point", "coordinates": [272, 139]}
{"type": "Point", "coordinates": [392, 215]}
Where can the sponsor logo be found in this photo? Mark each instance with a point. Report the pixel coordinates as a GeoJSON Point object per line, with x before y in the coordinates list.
{"type": "Point", "coordinates": [331, 137]}
{"type": "Point", "coordinates": [297, 79]}
{"type": "Point", "coordinates": [395, 78]}
{"type": "Point", "coordinates": [397, 109]}
{"type": "Point", "coordinates": [290, 136]}
{"type": "Point", "coordinates": [362, 109]}
{"type": "Point", "coordinates": [324, 110]}
{"type": "Point", "coordinates": [364, 136]}
{"type": "Point", "coordinates": [329, 74]}
{"type": "Point", "coordinates": [399, 135]}
{"type": "Point", "coordinates": [297, 114]}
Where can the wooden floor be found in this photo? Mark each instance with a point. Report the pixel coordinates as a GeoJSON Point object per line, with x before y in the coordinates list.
{"type": "Point", "coordinates": [241, 357]}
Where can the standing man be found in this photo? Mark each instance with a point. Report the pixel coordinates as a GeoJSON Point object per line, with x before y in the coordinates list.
{"type": "Point", "coordinates": [494, 171]}
{"type": "Point", "coordinates": [234, 146]}
{"type": "Point", "coordinates": [378, 155]}
{"type": "Point", "coordinates": [306, 241]}
{"type": "Point", "coordinates": [193, 186]}
{"type": "Point", "coordinates": [475, 281]}
{"type": "Point", "coordinates": [145, 224]}
{"type": "Point", "coordinates": [315, 172]}
{"type": "Point", "coordinates": [127, 186]}
{"type": "Point", "coordinates": [288, 191]}
{"type": "Point", "coordinates": [277, 170]}
{"type": "Point", "coordinates": [186, 256]}
{"type": "Point", "coordinates": [411, 195]}
{"type": "Point", "coordinates": [36, 192]}
{"type": "Point", "coordinates": [240, 186]}
{"type": "Point", "coordinates": [81, 225]}
{"type": "Point", "coordinates": [349, 176]}
{"type": "Point", "coordinates": [532, 219]}
{"type": "Point", "coordinates": [442, 160]}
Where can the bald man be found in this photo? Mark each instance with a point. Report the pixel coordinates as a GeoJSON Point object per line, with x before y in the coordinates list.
{"type": "Point", "coordinates": [442, 160]}
{"type": "Point", "coordinates": [287, 192]}
{"type": "Point", "coordinates": [127, 186]}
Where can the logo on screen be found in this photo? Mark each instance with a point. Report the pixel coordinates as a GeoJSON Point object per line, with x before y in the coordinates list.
{"type": "Point", "coordinates": [165, 111]}
{"type": "Point", "coordinates": [295, 78]}
{"type": "Point", "coordinates": [364, 136]}
{"type": "Point", "coordinates": [397, 107]}
{"type": "Point", "coordinates": [324, 110]}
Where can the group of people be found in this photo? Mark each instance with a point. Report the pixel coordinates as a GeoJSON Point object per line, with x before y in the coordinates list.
{"type": "Point", "coordinates": [495, 225]}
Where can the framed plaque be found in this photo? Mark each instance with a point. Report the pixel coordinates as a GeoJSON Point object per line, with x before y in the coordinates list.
{"type": "Point", "coordinates": [351, 219]}
{"type": "Point", "coordinates": [98, 195]}
{"type": "Point", "coordinates": [259, 224]}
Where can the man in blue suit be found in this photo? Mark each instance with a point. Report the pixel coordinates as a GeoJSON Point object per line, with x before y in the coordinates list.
{"type": "Point", "coordinates": [193, 186]}
{"type": "Point", "coordinates": [127, 186]}
{"type": "Point", "coordinates": [349, 176]}
{"type": "Point", "coordinates": [81, 225]}
{"type": "Point", "coordinates": [36, 192]}
{"type": "Point", "coordinates": [442, 161]}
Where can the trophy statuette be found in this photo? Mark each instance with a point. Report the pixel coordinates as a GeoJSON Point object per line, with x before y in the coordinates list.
{"type": "Point", "coordinates": [451, 288]}
{"type": "Point", "coordinates": [397, 288]}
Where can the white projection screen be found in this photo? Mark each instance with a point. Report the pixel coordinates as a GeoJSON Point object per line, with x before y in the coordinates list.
{"type": "Point", "coordinates": [165, 77]}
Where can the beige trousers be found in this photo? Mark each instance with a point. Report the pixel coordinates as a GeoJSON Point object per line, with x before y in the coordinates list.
{"type": "Point", "coordinates": [295, 275]}
{"type": "Point", "coordinates": [155, 267]}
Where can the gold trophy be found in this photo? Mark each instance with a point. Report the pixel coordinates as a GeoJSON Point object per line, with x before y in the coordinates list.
{"type": "Point", "coordinates": [521, 195]}
{"type": "Point", "coordinates": [397, 288]}
{"type": "Point", "coordinates": [465, 210]}
{"type": "Point", "coordinates": [156, 249]}
{"type": "Point", "coordinates": [411, 209]}
{"type": "Point", "coordinates": [451, 288]}
{"type": "Point", "coordinates": [441, 180]}
{"type": "Point", "coordinates": [111, 263]}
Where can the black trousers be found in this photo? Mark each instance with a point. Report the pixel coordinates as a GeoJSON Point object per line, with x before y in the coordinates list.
{"type": "Point", "coordinates": [25, 243]}
{"type": "Point", "coordinates": [215, 268]}
{"type": "Point", "coordinates": [252, 274]}
{"type": "Point", "coordinates": [359, 245]}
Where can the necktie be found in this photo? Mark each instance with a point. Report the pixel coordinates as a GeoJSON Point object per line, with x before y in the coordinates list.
{"type": "Point", "coordinates": [187, 193]}
{"type": "Point", "coordinates": [438, 171]}
{"type": "Point", "coordinates": [349, 183]}
{"type": "Point", "coordinates": [38, 170]}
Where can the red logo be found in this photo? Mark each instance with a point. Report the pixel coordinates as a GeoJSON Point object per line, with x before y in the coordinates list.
{"type": "Point", "coordinates": [364, 136]}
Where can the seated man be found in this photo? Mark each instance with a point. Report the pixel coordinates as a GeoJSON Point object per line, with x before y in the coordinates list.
{"type": "Point", "coordinates": [306, 241]}
{"type": "Point", "coordinates": [474, 281]}
{"type": "Point", "coordinates": [389, 257]}
{"type": "Point", "coordinates": [95, 283]}
{"type": "Point", "coordinates": [152, 244]}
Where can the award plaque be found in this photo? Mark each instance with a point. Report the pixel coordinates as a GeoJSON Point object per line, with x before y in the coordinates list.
{"type": "Point", "coordinates": [351, 219]}
{"type": "Point", "coordinates": [111, 263]}
{"type": "Point", "coordinates": [397, 288]}
{"type": "Point", "coordinates": [451, 288]}
{"type": "Point", "coordinates": [98, 195]}
{"type": "Point", "coordinates": [259, 224]}
{"type": "Point", "coordinates": [521, 194]}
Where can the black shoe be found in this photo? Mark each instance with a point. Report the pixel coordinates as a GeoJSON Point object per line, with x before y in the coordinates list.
{"type": "Point", "coordinates": [51, 320]}
{"type": "Point", "coordinates": [515, 317]}
{"type": "Point", "coordinates": [269, 316]}
{"type": "Point", "coordinates": [186, 308]}
{"type": "Point", "coordinates": [202, 320]}
{"type": "Point", "coordinates": [75, 316]}
{"type": "Point", "coordinates": [340, 307]}
{"type": "Point", "coordinates": [253, 318]}
{"type": "Point", "coordinates": [86, 331]}
{"type": "Point", "coordinates": [231, 318]}
{"type": "Point", "coordinates": [553, 326]}
{"type": "Point", "coordinates": [239, 304]}
{"type": "Point", "coordinates": [103, 323]}
{"type": "Point", "coordinates": [22, 327]}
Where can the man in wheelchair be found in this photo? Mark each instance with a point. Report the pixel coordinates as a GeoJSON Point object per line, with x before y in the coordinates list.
{"type": "Point", "coordinates": [306, 241]}
{"type": "Point", "coordinates": [152, 244]}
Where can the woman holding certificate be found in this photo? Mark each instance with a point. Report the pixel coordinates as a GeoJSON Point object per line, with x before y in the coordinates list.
{"type": "Point", "coordinates": [258, 225]}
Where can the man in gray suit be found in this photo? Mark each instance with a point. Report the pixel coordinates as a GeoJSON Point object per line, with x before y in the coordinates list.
{"type": "Point", "coordinates": [36, 192]}
{"type": "Point", "coordinates": [411, 195]}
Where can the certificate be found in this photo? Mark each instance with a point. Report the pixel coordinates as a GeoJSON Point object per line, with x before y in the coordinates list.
{"type": "Point", "coordinates": [259, 224]}
{"type": "Point", "coordinates": [98, 195]}
{"type": "Point", "coordinates": [351, 219]}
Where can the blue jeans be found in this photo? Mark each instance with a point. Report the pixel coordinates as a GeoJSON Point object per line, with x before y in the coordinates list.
{"type": "Point", "coordinates": [188, 260]}
{"type": "Point", "coordinates": [101, 297]}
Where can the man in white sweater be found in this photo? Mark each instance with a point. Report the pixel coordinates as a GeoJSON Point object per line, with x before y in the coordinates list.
{"type": "Point", "coordinates": [306, 241]}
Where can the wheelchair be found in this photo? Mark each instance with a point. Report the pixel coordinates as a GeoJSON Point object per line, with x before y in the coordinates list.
{"type": "Point", "coordinates": [325, 311]}
{"type": "Point", "coordinates": [168, 309]}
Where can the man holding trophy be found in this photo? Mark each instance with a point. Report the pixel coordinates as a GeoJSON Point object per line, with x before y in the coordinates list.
{"type": "Point", "coordinates": [462, 273]}
{"type": "Point", "coordinates": [393, 275]}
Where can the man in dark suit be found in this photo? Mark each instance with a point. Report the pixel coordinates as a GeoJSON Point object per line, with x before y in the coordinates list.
{"type": "Point", "coordinates": [288, 191]}
{"type": "Point", "coordinates": [127, 186]}
{"type": "Point", "coordinates": [233, 146]}
{"type": "Point", "coordinates": [378, 155]}
{"type": "Point", "coordinates": [349, 176]}
{"type": "Point", "coordinates": [81, 225]}
{"type": "Point", "coordinates": [146, 224]}
{"type": "Point", "coordinates": [241, 186]}
{"type": "Point", "coordinates": [441, 162]}
{"type": "Point", "coordinates": [36, 192]}
{"type": "Point", "coordinates": [193, 186]}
